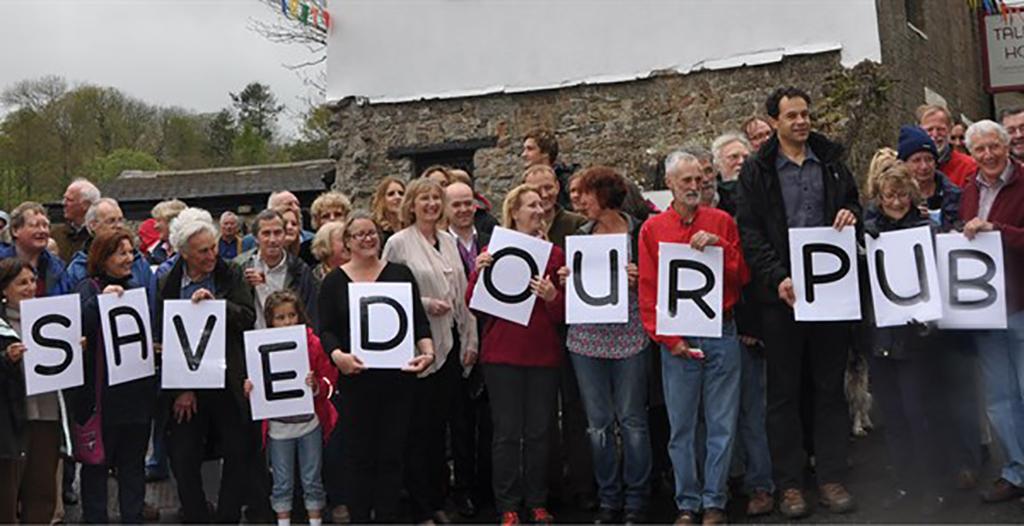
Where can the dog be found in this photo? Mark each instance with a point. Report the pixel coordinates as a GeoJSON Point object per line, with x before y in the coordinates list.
{"type": "Point", "coordinates": [857, 394]}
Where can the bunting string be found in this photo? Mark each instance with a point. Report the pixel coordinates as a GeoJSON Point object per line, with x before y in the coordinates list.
{"type": "Point", "coordinates": [307, 13]}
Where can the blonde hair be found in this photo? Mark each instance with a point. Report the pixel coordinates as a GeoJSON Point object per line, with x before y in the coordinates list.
{"type": "Point", "coordinates": [331, 199]}
{"type": "Point", "coordinates": [887, 170]}
{"type": "Point", "coordinates": [420, 186]}
{"type": "Point", "coordinates": [167, 210]}
{"type": "Point", "coordinates": [513, 201]}
{"type": "Point", "coordinates": [323, 245]}
{"type": "Point", "coordinates": [379, 206]}
{"type": "Point", "coordinates": [923, 111]}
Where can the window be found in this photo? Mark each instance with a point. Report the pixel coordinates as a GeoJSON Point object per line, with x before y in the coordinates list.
{"type": "Point", "coordinates": [456, 154]}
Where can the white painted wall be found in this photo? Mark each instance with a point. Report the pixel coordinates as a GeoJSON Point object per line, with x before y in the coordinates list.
{"type": "Point", "coordinates": [399, 50]}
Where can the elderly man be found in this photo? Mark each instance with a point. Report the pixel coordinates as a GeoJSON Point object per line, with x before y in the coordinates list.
{"type": "Point", "coordinates": [798, 179]}
{"type": "Point", "coordinates": [708, 378]}
{"type": "Point", "coordinates": [1013, 121]}
{"type": "Point", "coordinates": [230, 243]}
{"type": "Point", "coordinates": [199, 275]}
{"type": "Point", "coordinates": [30, 232]}
{"type": "Point", "coordinates": [993, 200]}
{"type": "Point", "coordinates": [72, 235]}
{"type": "Point", "coordinates": [271, 268]}
{"type": "Point", "coordinates": [937, 122]}
{"type": "Point", "coordinates": [104, 214]}
{"type": "Point", "coordinates": [278, 200]}
{"type": "Point", "coordinates": [728, 152]}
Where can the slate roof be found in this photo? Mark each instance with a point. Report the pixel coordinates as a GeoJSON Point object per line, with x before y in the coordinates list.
{"type": "Point", "coordinates": [303, 176]}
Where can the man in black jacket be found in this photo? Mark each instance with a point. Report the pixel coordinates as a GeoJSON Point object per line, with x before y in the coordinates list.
{"type": "Point", "coordinates": [196, 415]}
{"type": "Point", "coordinates": [797, 179]}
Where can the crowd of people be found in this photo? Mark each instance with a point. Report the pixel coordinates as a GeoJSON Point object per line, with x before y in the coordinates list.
{"type": "Point", "coordinates": [535, 416]}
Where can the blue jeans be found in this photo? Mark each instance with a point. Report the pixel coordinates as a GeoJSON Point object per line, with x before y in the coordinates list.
{"type": "Point", "coordinates": [615, 390]}
{"type": "Point", "coordinates": [716, 379]}
{"type": "Point", "coordinates": [309, 449]}
{"type": "Point", "coordinates": [751, 436]}
{"type": "Point", "coordinates": [1001, 355]}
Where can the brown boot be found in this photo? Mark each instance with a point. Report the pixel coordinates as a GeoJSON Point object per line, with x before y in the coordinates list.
{"type": "Point", "coordinates": [835, 498]}
{"type": "Point", "coordinates": [792, 505]}
{"type": "Point", "coordinates": [760, 503]}
{"type": "Point", "coordinates": [1002, 490]}
{"type": "Point", "coordinates": [714, 516]}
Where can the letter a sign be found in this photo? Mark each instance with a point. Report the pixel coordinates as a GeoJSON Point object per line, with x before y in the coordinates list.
{"type": "Point", "coordinates": [380, 321]}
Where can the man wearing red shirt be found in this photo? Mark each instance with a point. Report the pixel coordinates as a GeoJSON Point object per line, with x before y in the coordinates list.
{"type": "Point", "coordinates": [696, 368]}
{"type": "Point", "coordinates": [937, 121]}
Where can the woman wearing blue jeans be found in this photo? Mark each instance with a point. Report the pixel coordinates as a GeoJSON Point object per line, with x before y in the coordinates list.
{"type": "Point", "coordinates": [611, 366]}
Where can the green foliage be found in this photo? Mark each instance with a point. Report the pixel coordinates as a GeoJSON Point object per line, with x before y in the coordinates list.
{"type": "Point", "coordinates": [51, 133]}
{"type": "Point", "coordinates": [117, 161]}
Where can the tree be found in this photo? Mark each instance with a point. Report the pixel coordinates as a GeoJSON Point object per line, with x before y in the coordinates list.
{"type": "Point", "coordinates": [111, 165]}
{"type": "Point", "coordinates": [288, 30]}
{"type": "Point", "coordinates": [258, 109]}
{"type": "Point", "coordinates": [220, 137]}
{"type": "Point", "coordinates": [250, 147]}
{"type": "Point", "coordinates": [315, 135]}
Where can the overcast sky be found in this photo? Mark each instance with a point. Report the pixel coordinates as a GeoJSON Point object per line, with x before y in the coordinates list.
{"type": "Point", "coordinates": [186, 53]}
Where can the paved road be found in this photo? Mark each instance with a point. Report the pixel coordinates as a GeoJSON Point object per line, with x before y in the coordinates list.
{"type": "Point", "coordinates": [868, 482]}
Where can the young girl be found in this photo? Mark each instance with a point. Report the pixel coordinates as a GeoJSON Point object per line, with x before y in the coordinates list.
{"type": "Point", "coordinates": [303, 435]}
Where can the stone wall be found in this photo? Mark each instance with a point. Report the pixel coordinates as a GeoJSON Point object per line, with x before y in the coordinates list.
{"type": "Point", "coordinates": [629, 125]}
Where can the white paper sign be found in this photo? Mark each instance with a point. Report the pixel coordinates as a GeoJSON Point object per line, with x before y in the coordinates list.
{"type": "Point", "coordinates": [127, 336]}
{"type": "Point", "coordinates": [973, 281]}
{"type": "Point", "coordinates": [823, 266]}
{"type": "Point", "coordinates": [904, 278]}
{"type": "Point", "coordinates": [503, 289]}
{"type": "Point", "coordinates": [51, 329]}
{"type": "Point", "coordinates": [381, 324]}
{"type": "Point", "coordinates": [194, 340]}
{"type": "Point", "coordinates": [596, 290]}
{"type": "Point", "coordinates": [278, 363]}
{"type": "Point", "coordinates": [689, 291]}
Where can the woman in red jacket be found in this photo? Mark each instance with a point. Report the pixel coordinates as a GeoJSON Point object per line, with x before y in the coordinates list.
{"type": "Point", "coordinates": [520, 366]}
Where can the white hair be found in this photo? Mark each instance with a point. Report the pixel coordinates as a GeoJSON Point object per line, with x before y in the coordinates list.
{"type": "Point", "coordinates": [228, 214]}
{"type": "Point", "coordinates": [88, 191]}
{"type": "Point", "coordinates": [982, 127]}
{"type": "Point", "coordinates": [273, 196]}
{"type": "Point", "coordinates": [679, 156]}
{"type": "Point", "coordinates": [90, 214]}
{"type": "Point", "coordinates": [190, 222]}
{"type": "Point", "coordinates": [724, 140]}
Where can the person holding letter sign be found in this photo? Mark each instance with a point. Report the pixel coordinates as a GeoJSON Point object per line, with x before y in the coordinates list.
{"type": "Point", "coordinates": [904, 365]}
{"type": "Point", "coordinates": [798, 179]}
{"type": "Point", "coordinates": [611, 362]}
{"type": "Point", "coordinates": [125, 410]}
{"type": "Point", "coordinates": [29, 432]}
{"type": "Point", "coordinates": [993, 200]}
{"type": "Point", "coordinates": [377, 403]}
{"type": "Point", "coordinates": [198, 274]}
{"type": "Point", "coordinates": [696, 372]}
{"type": "Point", "coordinates": [301, 436]}
{"type": "Point", "coordinates": [520, 365]}
{"type": "Point", "coordinates": [433, 258]}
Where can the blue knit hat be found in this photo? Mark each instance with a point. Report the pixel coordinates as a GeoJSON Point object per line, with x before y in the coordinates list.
{"type": "Point", "coordinates": [912, 140]}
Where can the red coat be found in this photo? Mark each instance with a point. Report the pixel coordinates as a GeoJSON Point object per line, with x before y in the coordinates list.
{"type": "Point", "coordinates": [539, 344]}
{"type": "Point", "coordinates": [1007, 215]}
{"type": "Point", "coordinates": [959, 168]}
{"type": "Point", "coordinates": [326, 376]}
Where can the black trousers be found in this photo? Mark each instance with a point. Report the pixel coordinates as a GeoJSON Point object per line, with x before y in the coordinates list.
{"type": "Point", "coordinates": [125, 448]}
{"type": "Point", "coordinates": [425, 461]}
{"type": "Point", "coordinates": [217, 413]}
{"type": "Point", "coordinates": [913, 411]}
{"type": "Point", "coordinates": [823, 347]}
{"type": "Point", "coordinates": [522, 399]}
{"type": "Point", "coordinates": [471, 438]}
{"type": "Point", "coordinates": [376, 409]}
{"type": "Point", "coordinates": [570, 446]}
{"type": "Point", "coordinates": [335, 481]}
